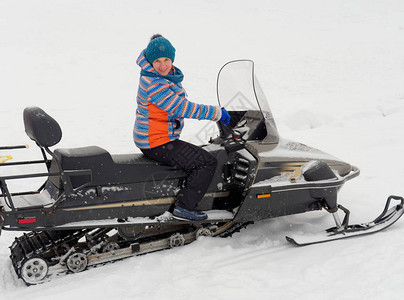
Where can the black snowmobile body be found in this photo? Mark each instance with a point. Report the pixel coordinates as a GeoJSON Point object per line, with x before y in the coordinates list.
{"type": "Point", "coordinates": [89, 184]}
{"type": "Point", "coordinates": [90, 193]}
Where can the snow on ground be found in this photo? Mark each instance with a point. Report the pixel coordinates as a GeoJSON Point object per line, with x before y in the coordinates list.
{"type": "Point", "coordinates": [333, 73]}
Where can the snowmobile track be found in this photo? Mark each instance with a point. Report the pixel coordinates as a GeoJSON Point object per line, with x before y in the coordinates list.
{"type": "Point", "coordinates": [39, 256]}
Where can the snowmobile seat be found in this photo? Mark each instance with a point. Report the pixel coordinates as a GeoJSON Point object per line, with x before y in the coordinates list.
{"type": "Point", "coordinates": [109, 169]}
{"type": "Point", "coordinates": [41, 128]}
{"type": "Point", "coordinates": [106, 169]}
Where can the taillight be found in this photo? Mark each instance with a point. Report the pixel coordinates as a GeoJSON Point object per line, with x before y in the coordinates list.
{"type": "Point", "coordinates": [27, 221]}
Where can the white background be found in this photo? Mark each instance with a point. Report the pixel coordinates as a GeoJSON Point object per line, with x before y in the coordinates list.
{"type": "Point", "coordinates": [333, 72]}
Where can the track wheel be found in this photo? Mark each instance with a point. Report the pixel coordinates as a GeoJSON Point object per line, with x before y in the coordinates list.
{"type": "Point", "coordinates": [34, 270]}
{"type": "Point", "coordinates": [77, 262]}
{"type": "Point", "coordinates": [176, 240]}
{"type": "Point", "coordinates": [110, 247]}
{"type": "Point", "coordinates": [203, 232]}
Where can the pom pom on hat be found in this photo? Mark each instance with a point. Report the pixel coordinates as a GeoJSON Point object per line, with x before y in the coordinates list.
{"type": "Point", "coordinates": [158, 47]}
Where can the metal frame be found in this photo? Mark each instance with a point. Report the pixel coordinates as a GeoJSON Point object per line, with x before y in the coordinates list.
{"type": "Point", "coordinates": [64, 175]}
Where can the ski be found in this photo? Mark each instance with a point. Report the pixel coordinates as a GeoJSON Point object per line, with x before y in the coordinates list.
{"type": "Point", "coordinates": [387, 218]}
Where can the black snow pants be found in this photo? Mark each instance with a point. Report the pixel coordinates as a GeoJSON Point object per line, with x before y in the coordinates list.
{"type": "Point", "coordinates": [196, 162]}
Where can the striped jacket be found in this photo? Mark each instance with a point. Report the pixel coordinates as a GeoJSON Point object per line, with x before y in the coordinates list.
{"type": "Point", "coordinates": [161, 108]}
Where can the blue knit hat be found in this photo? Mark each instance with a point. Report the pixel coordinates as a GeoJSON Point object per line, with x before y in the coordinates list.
{"type": "Point", "coordinates": [158, 47]}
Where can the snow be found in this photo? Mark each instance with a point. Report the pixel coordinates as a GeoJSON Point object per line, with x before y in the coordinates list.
{"type": "Point", "coordinates": [42, 198]}
{"type": "Point", "coordinates": [333, 73]}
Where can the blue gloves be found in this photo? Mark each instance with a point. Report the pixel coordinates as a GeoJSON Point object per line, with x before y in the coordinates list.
{"type": "Point", "coordinates": [225, 119]}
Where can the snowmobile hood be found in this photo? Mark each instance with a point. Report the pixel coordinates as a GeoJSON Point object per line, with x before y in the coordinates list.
{"type": "Point", "coordinates": [288, 148]}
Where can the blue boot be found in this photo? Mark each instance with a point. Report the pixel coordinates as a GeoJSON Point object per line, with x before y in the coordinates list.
{"type": "Point", "coordinates": [183, 214]}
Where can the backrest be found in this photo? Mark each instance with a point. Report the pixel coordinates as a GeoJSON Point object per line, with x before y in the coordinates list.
{"type": "Point", "coordinates": [41, 128]}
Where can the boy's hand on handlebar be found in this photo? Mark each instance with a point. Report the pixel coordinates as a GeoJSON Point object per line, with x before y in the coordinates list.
{"type": "Point", "coordinates": [225, 119]}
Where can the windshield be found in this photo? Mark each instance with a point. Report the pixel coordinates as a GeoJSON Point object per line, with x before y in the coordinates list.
{"type": "Point", "coordinates": [239, 90]}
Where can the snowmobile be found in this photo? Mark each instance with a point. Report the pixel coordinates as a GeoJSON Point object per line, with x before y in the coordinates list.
{"type": "Point", "coordinates": [95, 207]}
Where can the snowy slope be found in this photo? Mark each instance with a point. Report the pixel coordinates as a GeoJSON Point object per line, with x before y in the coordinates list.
{"type": "Point", "coordinates": [333, 72]}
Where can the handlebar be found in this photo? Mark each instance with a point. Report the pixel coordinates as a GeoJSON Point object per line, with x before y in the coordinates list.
{"type": "Point", "coordinates": [233, 140]}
